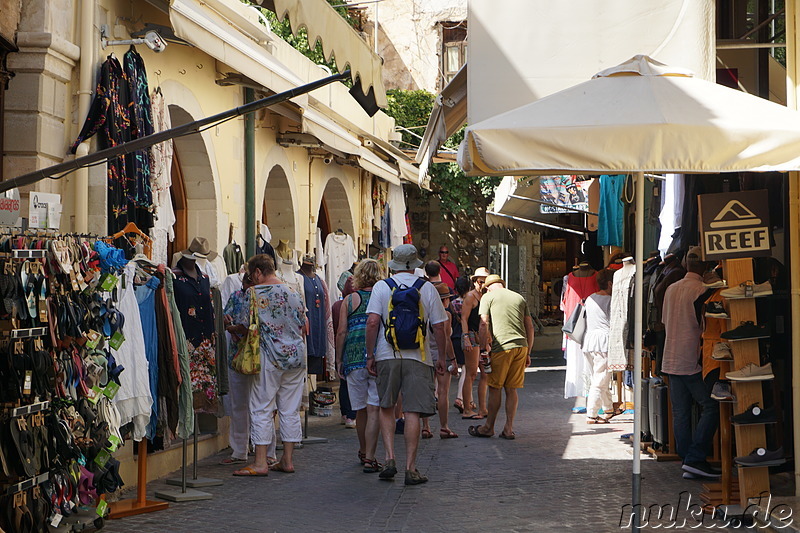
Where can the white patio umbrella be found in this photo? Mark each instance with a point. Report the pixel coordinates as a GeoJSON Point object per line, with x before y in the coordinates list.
{"type": "Point", "coordinates": [640, 116]}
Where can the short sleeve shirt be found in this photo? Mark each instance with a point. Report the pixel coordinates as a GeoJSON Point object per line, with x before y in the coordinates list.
{"type": "Point", "coordinates": [281, 315]}
{"type": "Point", "coordinates": [507, 311]}
{"type": "Point", "coordinates": [379, 305]}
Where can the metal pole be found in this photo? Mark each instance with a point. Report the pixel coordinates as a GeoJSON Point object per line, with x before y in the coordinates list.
{"type": "Point", "coordinates": [194, 452]}
{"type": "Point", "coordinates": [250, 177]}
{"type": "Point", "coordinates": [61, 169]}
{"type": "Point", "coordinates": [636, 496]}
{"type": "Point", "coordinates": [183, 469]}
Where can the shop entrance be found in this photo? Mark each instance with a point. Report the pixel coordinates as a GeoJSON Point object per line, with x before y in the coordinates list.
{"type": "Point", "coordinates": [334, 210]}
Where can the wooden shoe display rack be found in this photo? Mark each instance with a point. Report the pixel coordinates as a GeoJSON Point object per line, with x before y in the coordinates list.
{"type": "Point", "coordinates": [752, 481]}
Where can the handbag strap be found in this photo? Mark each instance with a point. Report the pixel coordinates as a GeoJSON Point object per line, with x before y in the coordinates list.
{"type": "Point", "coordinates": [253, 306]}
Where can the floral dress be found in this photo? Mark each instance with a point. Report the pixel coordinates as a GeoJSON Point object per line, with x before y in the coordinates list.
{"type": "Point", "coordinates": [193, 298]}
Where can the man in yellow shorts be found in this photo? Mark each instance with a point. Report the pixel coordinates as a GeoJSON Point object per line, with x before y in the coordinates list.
{"type": "Point", "coordinates": [508, 327]}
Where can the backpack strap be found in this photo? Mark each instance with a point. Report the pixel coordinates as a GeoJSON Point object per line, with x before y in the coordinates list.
{"type": "Point", "coordinates": [422, 331]}
{"type": "Point", "coordinates": [387, 329]}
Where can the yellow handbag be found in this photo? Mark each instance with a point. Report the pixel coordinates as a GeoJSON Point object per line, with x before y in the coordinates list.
{"type": "Point", "coordinates": [248, 357]}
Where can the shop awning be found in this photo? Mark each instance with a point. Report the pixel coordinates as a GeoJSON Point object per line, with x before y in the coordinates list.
{"type": "Point", "coordinates": [524, 224]}
{"type": "Point", "coordinates": [338, 39]}
{"type": "Point", "coordinates": [329, 132]}
{"type": "Point", "coordinates": [448, 115]}
{"type": "Point", "coordinates": [207, 26]}
{"type": "Point", "coordinates": [377, 166]}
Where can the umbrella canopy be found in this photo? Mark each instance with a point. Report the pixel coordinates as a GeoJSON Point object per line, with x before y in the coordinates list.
{"type": "Point", "coordinates": [640, 115]}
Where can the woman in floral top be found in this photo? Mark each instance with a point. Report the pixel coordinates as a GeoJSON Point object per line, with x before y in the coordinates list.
{"type": "Point", "coordinates": [280, 385]}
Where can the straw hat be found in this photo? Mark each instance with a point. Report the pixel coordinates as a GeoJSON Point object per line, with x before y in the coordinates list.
{"type": "Point", "coordinates": [491, 279]}
{"type": "Point", "coordinates": [480, 272]}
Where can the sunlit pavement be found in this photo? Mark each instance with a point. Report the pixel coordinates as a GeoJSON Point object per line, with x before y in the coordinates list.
{"type": "Point", "coordinates": [560, 474]}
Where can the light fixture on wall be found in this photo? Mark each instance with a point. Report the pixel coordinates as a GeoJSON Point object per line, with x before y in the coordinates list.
{"type": "Point", "coordinates": [151, 39]}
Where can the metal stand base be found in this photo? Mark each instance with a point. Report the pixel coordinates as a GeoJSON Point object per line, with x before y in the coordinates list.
{"type": "Point", "coordinates": [196, 483]}
{"type": "Point", "coordinates": [177, 495]}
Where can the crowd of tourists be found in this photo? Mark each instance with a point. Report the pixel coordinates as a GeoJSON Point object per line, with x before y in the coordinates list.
{"type": "Point", "coordinates": [400, 341]}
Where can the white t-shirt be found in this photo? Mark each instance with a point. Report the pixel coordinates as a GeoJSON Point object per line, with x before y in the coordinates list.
{"type": "Point", "coordinates": [379, 305]}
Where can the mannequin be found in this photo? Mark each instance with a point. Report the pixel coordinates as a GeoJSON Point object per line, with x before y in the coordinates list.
{"type": "Point", "coordinates": [193, 299]}
{"type": "Point", "coordinates": [579, 285]}
{"type": "Point", "coordinates": [283, 251]}
{"type": "Point", "coordinates": [318, 311]}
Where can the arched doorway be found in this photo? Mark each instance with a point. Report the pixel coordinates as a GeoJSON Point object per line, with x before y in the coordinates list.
{"type": "Point", "coordinates": [334, 210]}
{"type": "Point", "coordinates": [278, 208]}
{"type": "Point", "coordinates": [193, 188]}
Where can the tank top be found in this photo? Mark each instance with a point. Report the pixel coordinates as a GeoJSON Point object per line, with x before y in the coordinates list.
{"type": "Point", "coordinates": [474, 320]}
{"type": "Point", "coordinates": [355, 343]}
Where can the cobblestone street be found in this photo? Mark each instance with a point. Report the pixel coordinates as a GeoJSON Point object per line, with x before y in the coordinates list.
{"type": "Point", "coordinates": [558, 475]}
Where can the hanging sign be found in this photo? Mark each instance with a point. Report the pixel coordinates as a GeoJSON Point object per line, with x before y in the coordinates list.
{"type": "Point", "coordinates": [9, 208]}
{"type": "Point", "coordinates": [44, 210]}
{"type": "Point", "coordinates": [735, 225]}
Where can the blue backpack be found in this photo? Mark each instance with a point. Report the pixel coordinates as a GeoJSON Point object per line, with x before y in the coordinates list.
{"type": "Point", "coordinates": [405, 328]}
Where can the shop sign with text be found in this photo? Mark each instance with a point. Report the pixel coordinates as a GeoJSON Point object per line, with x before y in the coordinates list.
{"type": "Point", "coordinates": [735, 224]}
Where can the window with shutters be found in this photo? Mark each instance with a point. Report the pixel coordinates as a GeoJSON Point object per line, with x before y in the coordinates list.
{"type": "Point", "coordinates": [454, 50]}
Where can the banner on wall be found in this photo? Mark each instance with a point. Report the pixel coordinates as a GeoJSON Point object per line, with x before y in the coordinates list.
{"type": "Point", "coordinates": [563, 192]}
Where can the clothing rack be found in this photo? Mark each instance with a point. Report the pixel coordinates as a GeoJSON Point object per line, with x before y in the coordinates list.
{"type": "Point", "coordinates": [140, 504]}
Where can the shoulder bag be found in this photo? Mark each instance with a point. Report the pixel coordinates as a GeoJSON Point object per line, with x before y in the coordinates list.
{"type": "Point", "coordinates": [248, 357]}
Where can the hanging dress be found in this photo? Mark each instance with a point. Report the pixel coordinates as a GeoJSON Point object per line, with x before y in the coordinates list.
{"type": "Point", "coordinates": [193, 298]}
{"type": "Point", "coordinates": [579, 373]}
{"type": "Point", "coordinates": [314, 291]}
{"type": "Point", "coordinates": [618, 317]}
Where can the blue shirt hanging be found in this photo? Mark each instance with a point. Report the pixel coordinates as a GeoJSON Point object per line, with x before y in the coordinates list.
{"type": "Point", "coordinates": [611, 212]}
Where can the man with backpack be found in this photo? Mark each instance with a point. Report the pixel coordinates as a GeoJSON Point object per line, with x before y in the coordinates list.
{"type": "Point", "coordinates": [400, 310]}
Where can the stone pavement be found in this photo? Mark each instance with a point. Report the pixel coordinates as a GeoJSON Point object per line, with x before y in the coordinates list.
{"type": "Point", "coordinates": [560, 474]}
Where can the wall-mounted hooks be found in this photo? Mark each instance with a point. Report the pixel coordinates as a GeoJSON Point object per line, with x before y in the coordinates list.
{"type": "Point", "coordinates": [157, 72]}
{"type": "Point", "coordinates": [199, 66]}
{"type": "Point", "coordinates": [182, 71]}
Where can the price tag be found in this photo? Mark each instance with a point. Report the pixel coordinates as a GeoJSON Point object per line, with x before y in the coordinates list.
{"type": "Point", "coordinates": [111, 390]}
{"type": "Point", "coordinates": [56, 519]}
{"type": "Point", "coordinates": [115, 442]}
{"type": "Point", "coordinates": [102, 458]}
{"type": "Point", "coordinates": [116, 340]}
{"type": "Point", "coordinates": [93, 339]}
{"type": "Point", "coordinates": [102, 507]}
{"type": "Point", "coordinates": [93, 394]}
{"type": "Point", "coordinates": [28, 386]}
{"type": "Point", "coordinates": [108, 282]}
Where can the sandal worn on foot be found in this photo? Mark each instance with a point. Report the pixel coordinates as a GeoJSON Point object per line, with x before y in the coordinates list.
{"type": "Point", "coordinates": [447, 434]}
{"type": "Point", "coordinates": [508, 436]}
{"type": "Point", "coordinates": [459, 405]}
{"type": "Point", "coordinates": [232, 461]}
{"type": "Point", "coordinates": [426, 434]}
{"type": "Point", "coordinates": [278, 467]}
{"type": "Point", "coordinates": [596, 420]}
{"type": "Point", "coordinates": [475, 432]}
{"type": "Point", "coordinates": [372, 466]}
{"type": "Point", "coordinates": [249, 471]}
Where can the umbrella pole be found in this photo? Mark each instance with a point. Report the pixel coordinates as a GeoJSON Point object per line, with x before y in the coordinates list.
{"type": "Point", "coordinates": [636, 496]}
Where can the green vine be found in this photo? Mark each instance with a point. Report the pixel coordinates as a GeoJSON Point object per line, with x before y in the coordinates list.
{"type": "Point", "coordinates": [457, 192]}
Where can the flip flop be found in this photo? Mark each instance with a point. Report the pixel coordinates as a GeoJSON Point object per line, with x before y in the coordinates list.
{"type": "Point", "coordinates": [447, 434]}
{"type": "Point", "coordinates": [597, 420]}
{"type": "Point", "coordinates": [278, 467]}
{"type": "Point", "coordinates": [232, 461]}
{"type": "Point", "coordinates": [508, 436]}
{"type": "Point", "coordinates": [475, 416]}
{"type": "Point", "coordinates": [473, 430]}
{"type": "Point", "coordinates": [249, 471]}
{"type": "Point", "coordinates": [426, 434]}
{"type": "Point", "coordinates": [459, 405]}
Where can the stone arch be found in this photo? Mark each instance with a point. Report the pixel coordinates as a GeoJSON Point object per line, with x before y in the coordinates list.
{"type": "Point", "coordinates": [197, 168]}
{"type": "Point", "coordinates": [335, 211]}
{"type": "Point", "coordinates": [278, 211]}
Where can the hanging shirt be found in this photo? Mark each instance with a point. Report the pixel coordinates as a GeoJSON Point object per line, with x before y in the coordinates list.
{"type": "Point", "coordinates": [340, 254]}
{"type": "Point", "coordinates": [618, 318]}
{"type": "Point", "coordinates": [610, 219]}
